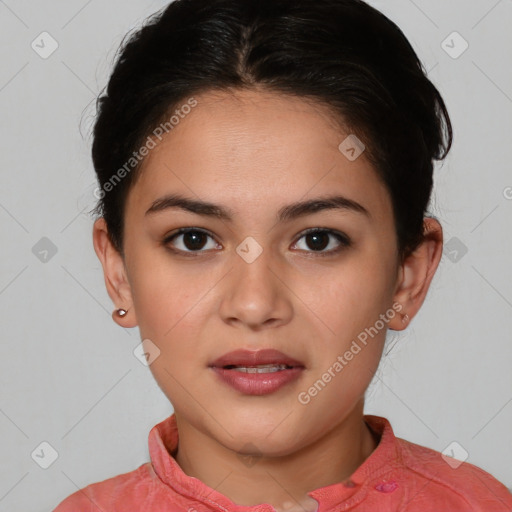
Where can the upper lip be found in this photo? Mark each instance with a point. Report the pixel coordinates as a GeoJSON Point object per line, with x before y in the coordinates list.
{"type": "Point", "coordinates": [254, 358]}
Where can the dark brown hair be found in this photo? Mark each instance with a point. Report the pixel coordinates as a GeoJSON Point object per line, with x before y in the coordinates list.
{"type": "Point", "coordinates": [343, 54]}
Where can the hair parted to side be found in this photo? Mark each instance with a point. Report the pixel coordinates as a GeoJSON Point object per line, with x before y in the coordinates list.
{"type": "Point", "coordinates": [343, 54]}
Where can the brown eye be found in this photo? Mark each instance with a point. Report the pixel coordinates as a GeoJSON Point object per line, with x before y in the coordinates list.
{"type": "Point", "coordinates": [192, 240]}
{"type": "Point", "coordinates": [319, 239]}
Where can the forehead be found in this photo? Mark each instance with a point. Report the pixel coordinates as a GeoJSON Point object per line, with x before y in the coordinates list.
{"type": "Point", "coordinates": [254, 148]}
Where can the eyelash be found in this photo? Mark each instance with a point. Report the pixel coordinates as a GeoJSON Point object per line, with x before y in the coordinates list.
{"type": "Point", "coordinates": [344, 240]}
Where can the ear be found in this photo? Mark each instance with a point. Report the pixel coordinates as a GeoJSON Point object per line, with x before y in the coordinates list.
{"type": "Point", "coordinates": [114, 271]}
{"type": "Point", "coordinates": [416, 273]}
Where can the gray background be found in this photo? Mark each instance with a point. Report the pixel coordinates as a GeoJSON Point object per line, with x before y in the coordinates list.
{"type": "Point", "coordinates": [68, 375]}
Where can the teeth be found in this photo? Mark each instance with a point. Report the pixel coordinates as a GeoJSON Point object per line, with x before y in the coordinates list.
{"type": "Point", "coordinates": [262, 368]}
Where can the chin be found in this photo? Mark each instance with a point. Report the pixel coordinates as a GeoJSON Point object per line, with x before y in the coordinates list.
{"type": "Point", "coordinates": [257, 443]}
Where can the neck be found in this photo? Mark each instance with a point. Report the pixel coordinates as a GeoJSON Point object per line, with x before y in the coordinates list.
{"type": "Point", "coordinates": [280, 481]}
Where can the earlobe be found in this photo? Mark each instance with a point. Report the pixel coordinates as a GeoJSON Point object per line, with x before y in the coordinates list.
{"type": "Point", "coordinates": [114, 272]}
{"type": "Point", "coordinates": [417, 272]}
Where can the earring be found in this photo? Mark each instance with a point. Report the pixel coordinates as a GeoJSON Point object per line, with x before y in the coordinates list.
{"type": "Point", "coordinates": [121, 312]}
{"type": "Point", "coordinates": [405, 318]}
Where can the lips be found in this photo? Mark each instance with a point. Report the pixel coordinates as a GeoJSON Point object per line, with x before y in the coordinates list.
{"type": "Point", "coordinates": [259, 372]}
{"type": "Point", "coordinates": [248, 358]}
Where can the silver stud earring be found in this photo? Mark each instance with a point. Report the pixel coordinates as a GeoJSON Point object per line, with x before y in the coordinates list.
{"type": "Point", "coordinates": [121, 312]}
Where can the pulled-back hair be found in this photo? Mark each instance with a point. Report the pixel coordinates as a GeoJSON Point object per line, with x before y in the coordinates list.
{"type": "Point", "coordinates": [343, 54]}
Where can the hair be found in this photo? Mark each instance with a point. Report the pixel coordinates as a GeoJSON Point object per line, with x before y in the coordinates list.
{"type": "Point", "coordinates": [342, 54]}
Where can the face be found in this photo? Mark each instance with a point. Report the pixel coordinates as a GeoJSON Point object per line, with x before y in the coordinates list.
{"type": "Point", "coordinates": [254, 278]}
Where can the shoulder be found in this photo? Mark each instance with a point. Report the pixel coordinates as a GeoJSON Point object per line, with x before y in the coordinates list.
{"type": "Point", "coordinates": [448, 481]}
{"type": "Point", "coordinates": [112, 494]}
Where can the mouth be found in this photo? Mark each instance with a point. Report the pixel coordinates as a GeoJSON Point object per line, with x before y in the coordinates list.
{"type": "Point", "coordinates": [257, 372]}
{"type": "Point", "coordinates": [261, 361]}
{"type": "Point", "coordinates": [263, 368]}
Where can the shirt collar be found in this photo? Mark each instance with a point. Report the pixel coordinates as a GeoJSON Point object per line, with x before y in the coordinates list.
{"type": "Point", "coordinates": [163, 442]}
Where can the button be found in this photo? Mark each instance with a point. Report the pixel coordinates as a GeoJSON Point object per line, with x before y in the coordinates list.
{"type": "Point", "coordinates": [386, 486]}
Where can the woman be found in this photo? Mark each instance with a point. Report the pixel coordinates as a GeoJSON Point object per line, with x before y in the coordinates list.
{"type": "Point", "coordinates": [264, 169]}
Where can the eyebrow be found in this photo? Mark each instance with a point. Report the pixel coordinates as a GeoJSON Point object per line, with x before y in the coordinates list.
{"type": "Point", "coordinates": [286, 213]}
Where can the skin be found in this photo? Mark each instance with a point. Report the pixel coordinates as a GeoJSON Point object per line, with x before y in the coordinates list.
{"type": "Point", "coordinates": [254, 152]}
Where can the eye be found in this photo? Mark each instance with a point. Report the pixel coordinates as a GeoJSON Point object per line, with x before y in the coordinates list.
{"type": "Point", "coordinates": [193, 240]}
{"type": "Point", "coordinates": [318, 239]}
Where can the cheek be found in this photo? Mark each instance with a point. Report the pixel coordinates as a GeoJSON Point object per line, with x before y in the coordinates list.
{"type": "Point", "coordinates": [346, 310]}
{"type": "Point", "coordinates": [352, 299]}
{"type": "Point", "coordinates": [166, 295]}
{"type": "Point", "coordinates": [168, 315]}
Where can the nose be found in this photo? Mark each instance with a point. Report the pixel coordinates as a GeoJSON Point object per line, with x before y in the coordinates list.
{"type": "Point", "coordinates": [255, 293]}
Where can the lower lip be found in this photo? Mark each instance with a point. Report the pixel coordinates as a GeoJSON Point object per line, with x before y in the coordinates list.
{"type": "Point", "coordinates": [258, 383]}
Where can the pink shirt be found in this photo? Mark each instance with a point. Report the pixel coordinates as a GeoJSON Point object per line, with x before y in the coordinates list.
{"type": "Point", "coordinates": [397, 476]}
